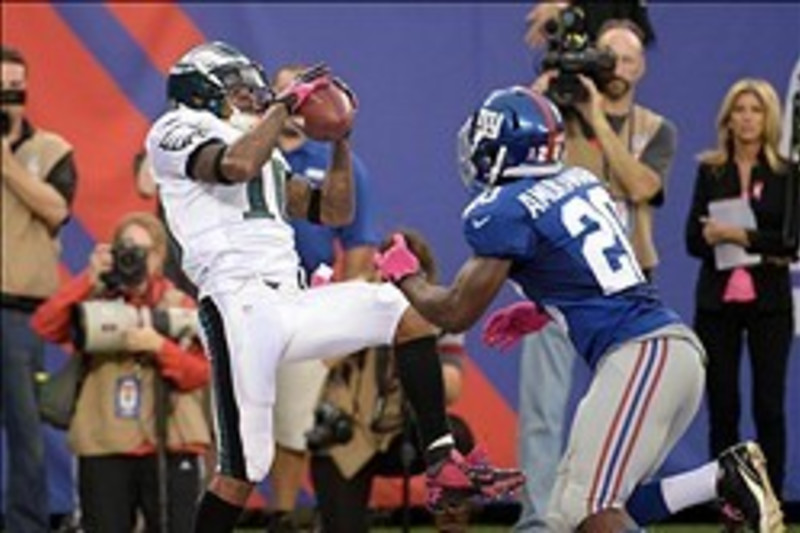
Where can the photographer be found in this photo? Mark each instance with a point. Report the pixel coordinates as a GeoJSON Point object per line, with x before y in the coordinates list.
{"type": "Point", "coordinates": [631, 148]}
{"type": "Point", "coordinates": [628, 145]}
{"type": "Point", "coordinates": [362, 428]}
{"type": "Point", "coordinates": [114, 428]}
{"type": "Point", "coordinates": [36, 190]}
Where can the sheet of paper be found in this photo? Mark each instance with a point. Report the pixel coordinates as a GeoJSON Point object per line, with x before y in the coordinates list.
{"type": "Point", "coordinates": [734, 212]}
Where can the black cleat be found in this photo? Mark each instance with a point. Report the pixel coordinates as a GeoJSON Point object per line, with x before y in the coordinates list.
{"type": "Point", "coordinates": [744, 485]}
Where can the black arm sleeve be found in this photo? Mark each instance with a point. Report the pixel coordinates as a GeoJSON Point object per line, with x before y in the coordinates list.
{"type": "Point", "coordinates": [64, 177]}
{"type": "Point", "coordinates": [314, 213]}
{"type": "Point", "coordinates": [191, 161]}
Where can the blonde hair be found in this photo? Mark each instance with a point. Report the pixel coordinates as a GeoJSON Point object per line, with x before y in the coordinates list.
{"type": "Point", "coordinates": [770, 137]}
{"type": "Point", "coordinates": [151, 224]}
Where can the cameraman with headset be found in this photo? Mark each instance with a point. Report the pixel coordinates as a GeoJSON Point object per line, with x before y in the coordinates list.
{"type": "Point", "coordinates": [115, 427]}
{"type": "Point", "coordinates": [631, 148]}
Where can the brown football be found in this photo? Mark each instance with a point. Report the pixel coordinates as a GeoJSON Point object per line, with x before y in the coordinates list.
{"type": "Point", "coordinates": [327, 113]}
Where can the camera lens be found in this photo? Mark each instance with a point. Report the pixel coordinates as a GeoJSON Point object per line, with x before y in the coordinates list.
{"type": "Point", "coordinates": [130, 264]}
{"type": "Point", "coordinates": [331, 426]}
{"type": "Point", "coordinates": [5, 123]}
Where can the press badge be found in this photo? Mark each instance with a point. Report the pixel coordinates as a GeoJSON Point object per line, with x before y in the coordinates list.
{"type": "Point", "coordinates": [128, 397]}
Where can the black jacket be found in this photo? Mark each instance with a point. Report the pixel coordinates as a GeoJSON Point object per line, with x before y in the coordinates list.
{"type": "Point", "coordinates": [775, 201]}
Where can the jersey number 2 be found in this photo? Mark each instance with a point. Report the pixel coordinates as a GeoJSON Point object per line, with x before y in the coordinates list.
{"type": "Point", "coordinates": [607, 241]}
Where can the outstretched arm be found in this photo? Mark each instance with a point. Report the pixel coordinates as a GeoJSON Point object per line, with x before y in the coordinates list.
{"type": "Point", "coordinates": [455, 308]}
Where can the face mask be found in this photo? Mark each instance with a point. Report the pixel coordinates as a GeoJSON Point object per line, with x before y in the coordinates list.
{"type": "Point", "coordinates": [243, 121]}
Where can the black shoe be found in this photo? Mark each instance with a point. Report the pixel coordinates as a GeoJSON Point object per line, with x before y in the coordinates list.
{"type": "Point", "coordinates": [281, 522]}
{"type": "Point", "coordinates": [743, 484]}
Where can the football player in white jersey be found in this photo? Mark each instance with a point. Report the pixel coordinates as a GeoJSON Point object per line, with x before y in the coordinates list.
{"type": "Point", "coordinates": [554, 231]}
{"type": "Point", "coordinates": [227, 194]}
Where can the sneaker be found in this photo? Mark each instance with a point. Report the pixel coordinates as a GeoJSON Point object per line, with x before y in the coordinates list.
{"type": "Point", "coordinates": [456, 480]}
{"type": "Point", "coordinates": [732, 519]}
{"type": "Point", "coordinates": [281, 522]}
{"type": "Point", "coordinates": [744, 485]}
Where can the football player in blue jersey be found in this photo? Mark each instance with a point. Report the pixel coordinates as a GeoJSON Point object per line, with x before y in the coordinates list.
{"type": "Point", "coordinates": [554, 232]}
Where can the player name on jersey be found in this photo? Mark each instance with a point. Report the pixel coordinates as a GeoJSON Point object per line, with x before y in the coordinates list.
{"type": "Point", "coordinates": [546, 192]}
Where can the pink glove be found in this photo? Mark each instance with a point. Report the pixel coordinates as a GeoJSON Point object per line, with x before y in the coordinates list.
{"type": "Point", "coordinates": [396, 262]}
{"type": "Point", "coordinates": [303, 85]}
{"type": "Point", "coordinates": [506, 326]}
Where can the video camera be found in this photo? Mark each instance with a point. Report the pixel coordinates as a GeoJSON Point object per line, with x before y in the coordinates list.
{"type": "Point", "coordinates": [99, 326]}
{"type": "Point", "coordinates": [570, 53]}
{"type": "Point", "coordinates": [9, 97]}
{"type": "Point", "coordinates": [129, 267]}
{"type": "Point", "coordinates": [331, 426]}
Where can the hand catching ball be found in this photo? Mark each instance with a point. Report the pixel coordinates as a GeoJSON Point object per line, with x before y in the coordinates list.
{"type": "Point", "coordinates": [328, 112]}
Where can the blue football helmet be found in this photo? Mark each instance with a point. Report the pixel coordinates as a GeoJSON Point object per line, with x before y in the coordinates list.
{"type": "Point", "coordinates": [204, 76]}
{"type": "Point", "coordinates": [516, 133]}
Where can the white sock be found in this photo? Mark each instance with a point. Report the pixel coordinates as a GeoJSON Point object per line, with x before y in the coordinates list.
{"type": "Point", "coordinates": [690, 488]}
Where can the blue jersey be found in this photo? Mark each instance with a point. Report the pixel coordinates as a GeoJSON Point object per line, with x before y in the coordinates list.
{"type": "Point", "coordinates": [569, 254]}
{"type": "Point", "coordinates": [314, 241]}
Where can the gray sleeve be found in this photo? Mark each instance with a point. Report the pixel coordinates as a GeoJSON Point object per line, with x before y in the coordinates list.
{"type": "Point", "coordinates": [659, 154]}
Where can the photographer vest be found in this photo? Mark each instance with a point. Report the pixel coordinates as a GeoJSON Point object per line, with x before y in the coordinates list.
{"type": "Point", "coordinates": [30, 250]}
{"type": "Point", "coordinates": [638, 129]}
{"type": "Point", "coordinates": [364, 387]}
{"type": "Point", "coordinates": [103, 424]}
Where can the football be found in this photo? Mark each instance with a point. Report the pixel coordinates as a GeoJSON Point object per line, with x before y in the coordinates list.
{"type": "Point", "coordinates": [327, 113]}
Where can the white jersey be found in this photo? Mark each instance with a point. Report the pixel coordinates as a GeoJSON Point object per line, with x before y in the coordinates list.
{"type": "Point", "coordinates": [227, 232]}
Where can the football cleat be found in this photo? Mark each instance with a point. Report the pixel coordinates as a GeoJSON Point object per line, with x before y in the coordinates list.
{"type": "Point", "coordinates": [456, 480]}
{"type": "Point", "coordinates": [744, 485]}
{"type": "Point", "coordinates": [732, 519]}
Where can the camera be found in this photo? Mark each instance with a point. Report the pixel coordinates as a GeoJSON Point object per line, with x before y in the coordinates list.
{"type": "Point", "coordinates": [129, 267]}
{"type": "Point", "coordinates": [331, 426]}
{"type": "Point", "coordinates": [9, 97]}
{"type": "Point", "coordinates": [5, 123]}
{"type": "Point", "coordinates": [570, 53]}
{"type": "Point", "coordinates": [99, 326]}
